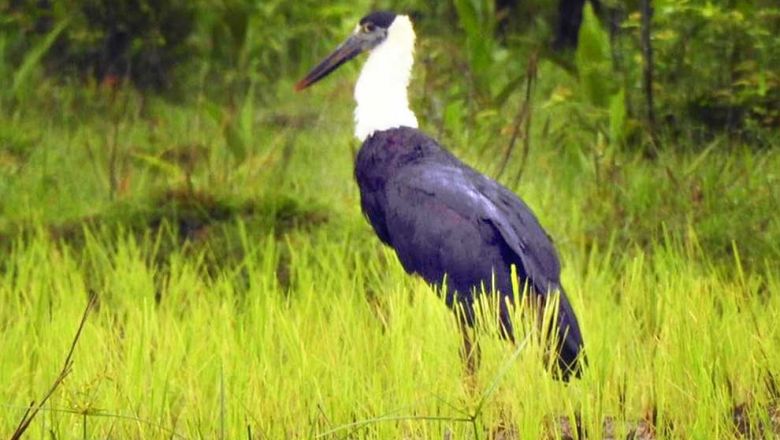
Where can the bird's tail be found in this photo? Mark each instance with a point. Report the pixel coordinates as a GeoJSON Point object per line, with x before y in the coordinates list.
{"type": "Point", "coordinates": [569, 343]}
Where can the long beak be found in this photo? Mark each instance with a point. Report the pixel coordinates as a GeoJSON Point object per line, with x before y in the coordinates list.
{"type": "Point", "coordinates": [345, 52]}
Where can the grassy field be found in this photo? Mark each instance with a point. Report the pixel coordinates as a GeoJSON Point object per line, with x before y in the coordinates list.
{"type": "Point", "coordinates": [239, 293]}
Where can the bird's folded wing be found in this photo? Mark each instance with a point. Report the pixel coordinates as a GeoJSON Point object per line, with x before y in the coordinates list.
{"type": "Point", "coordinates": [461, 191]}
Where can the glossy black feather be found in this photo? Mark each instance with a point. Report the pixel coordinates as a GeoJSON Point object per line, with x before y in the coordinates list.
{"type": "Point", "coordinates": [444, 219]}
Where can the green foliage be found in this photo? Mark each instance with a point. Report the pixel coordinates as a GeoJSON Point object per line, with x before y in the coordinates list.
{"type": "Point", "coordinates": [478, 20]}
{"type": "Point", "coordinates": [717, 64]}
{"type": "Point", "coordinates": [167, 45]}
{"type": "Point", "coordinates": [599, 81]}
{"type": "Point", "coordinates": [31, 61]}
{"type": "Point", "coordinates": [594, 61]}
{"type": "Point", "coordinates": [111, 40]}
{"type": "Point", "coordinates": [250, 42]}
{"type": "Point", "coordinates": [618, 117]}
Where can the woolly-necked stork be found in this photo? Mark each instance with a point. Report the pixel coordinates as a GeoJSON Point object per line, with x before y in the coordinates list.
{"type": "Point", "coordinates": [458, 229]}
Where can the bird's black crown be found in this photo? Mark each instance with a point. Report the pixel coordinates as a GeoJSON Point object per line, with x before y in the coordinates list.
{"type": "Point", "coordinates": [382, 19]}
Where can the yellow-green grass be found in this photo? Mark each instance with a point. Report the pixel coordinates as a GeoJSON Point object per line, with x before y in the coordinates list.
{"type": "Point", "coordinates": [278, 313]}
{"type": "Point", "coordinates": [354, 345]}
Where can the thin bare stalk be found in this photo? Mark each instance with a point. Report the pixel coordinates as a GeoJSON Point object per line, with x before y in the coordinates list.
{"type": "Point", "coordinates": [67, 366]}
{"type": "Point", "coordinates": [647, 74]}
{"type": "Point", "coordinates": [532, 71]}
{"type": "Point", "coordinates": [522, 120]}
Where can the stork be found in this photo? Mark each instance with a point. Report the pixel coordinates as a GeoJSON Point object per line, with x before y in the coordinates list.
{"type": "Point", "coordinates": [458, 229]}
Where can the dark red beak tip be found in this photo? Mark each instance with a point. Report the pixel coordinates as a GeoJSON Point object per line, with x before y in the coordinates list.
{"type": "Point", "coordinates": [300, 85]}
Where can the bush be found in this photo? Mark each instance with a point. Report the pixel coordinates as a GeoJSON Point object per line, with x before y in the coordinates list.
{"type": "Point", "coordinates": [718, 64]}
{"type": "Point", "coordinates": [143, 41]}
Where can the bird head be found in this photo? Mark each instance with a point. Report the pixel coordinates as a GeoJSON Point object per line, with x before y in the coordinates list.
{"type": "Point", "coordinates": [371, 31]}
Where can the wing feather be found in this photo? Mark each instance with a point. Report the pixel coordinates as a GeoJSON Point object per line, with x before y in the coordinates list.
{"type": "Point", "coordinates": [474, 197]}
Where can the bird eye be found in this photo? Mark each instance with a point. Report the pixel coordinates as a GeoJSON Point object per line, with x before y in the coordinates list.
{"type": "Point", "coordinates": [369, 27]}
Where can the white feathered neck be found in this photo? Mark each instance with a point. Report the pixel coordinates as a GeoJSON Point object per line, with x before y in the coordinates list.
{"type": "Point", "coordinates": [381, 96]}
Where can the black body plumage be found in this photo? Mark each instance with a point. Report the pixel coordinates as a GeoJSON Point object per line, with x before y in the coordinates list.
{"type": "Point", "coordinates": [446, 220]}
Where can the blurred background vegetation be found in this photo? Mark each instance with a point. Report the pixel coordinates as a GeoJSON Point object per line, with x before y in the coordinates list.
{"type": "Point", "coordinates": [155, 108]}
{"type": "Point", "coordinates": [716, 63]}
